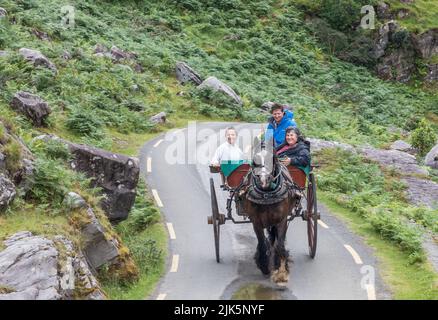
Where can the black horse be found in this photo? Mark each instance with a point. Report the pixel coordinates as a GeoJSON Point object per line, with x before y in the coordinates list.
{"type": "Point", "coordinates": [269, 198]}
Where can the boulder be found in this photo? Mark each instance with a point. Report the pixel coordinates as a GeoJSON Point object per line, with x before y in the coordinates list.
{"type": "Point", "coordinates": [41, 35]}
{"type": "Point", "coordinates": [318, 145]}
{"type": "Point", "coordinates": [432, 73]}
{"type": "Point", "coordinates": [98, 248]}
{"type": "Point", "coordinates": [3, 53]}
{"type": "Point", "coordinates": [403, 13]}
{"type": "Point", "coordinates": [403, 162]}
{"type": "Point", "coordinates": [383, 11]}
{"type": "Point", "coordinates": [119, 54]}
{"type": "Point", "coordinates": [158, 118]}
{"type": "Point", "coordinates": [266, 106]}
{"type": "Point", "coordinates": [37, 58]}
{"type": "Point", "coordinates": [401, 145]}
{"type": "Point", "coordinates": [3, 12]}
{"type": "Point", "coordinates": [66, 55]}
{"type": "Point", "coordinates": [184, 74]}
{"type": "Point", "coordinates": [422, 192]}
{"type": "Point", "coordinates": [32, 106]}
{"type": "Point", "coordinates": [116, 174]}
{"type": "Point", "coordinates": [7, 192]}
{"type": "Point", "coordinates": [427, 43]}
{"type": "Point", "coordinates": [217, 85]}
{"type": "Point", "coordinates": [37, 268]}
{"type": "Point", "coordinates": [432, 158]}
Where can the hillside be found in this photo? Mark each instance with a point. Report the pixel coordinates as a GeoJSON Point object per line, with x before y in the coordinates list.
{"type": "Point", "coordinates": [264, 50]}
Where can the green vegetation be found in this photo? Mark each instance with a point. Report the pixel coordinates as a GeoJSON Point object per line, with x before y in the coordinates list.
{"type": "Point", "coordinates": [423, 14]}
{"type": "Point", "coordinates": [266, 52]}
{"type": "Point", "coordinates": [146, 239]}
{"type": "Point", "coordinates": [376, 196]}
{"type": "Point", "coordinates": [424, 137]}
{"type": "Point", "coordinates": [406, 281]}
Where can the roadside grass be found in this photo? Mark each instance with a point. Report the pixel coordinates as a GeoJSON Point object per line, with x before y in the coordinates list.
{"type": "Point", "coordinates": [406, 281]}
{"type": "Point", "coordinates": [145, 236]}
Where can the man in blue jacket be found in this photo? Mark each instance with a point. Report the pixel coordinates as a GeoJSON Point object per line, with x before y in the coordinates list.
{"type": "Point", "coordinates": [281, 119]}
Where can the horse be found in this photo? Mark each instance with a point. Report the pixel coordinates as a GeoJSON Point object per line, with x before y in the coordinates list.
{"type": "Point", "coordinates": [268, 199]}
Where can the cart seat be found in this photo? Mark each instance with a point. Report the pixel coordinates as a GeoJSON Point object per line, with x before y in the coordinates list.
{"type": "Point", "coordinates": [236, 177]}
{"type": "Point", "coordinates": [298, 175]}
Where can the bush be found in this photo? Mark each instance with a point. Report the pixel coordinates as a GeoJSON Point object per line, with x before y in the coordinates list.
{"type": "Point", "coordinates": [51, 181]}
{"type": "Point", "coordinates": [84, 122]}
{"type": "Point", "coordinates": [424, 137]}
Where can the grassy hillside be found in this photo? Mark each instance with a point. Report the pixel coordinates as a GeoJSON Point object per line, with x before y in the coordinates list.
{"type": "Point", "coordinates": [262, 49]}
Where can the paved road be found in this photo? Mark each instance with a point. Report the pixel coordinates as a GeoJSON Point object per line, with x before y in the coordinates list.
{"type": "Point", "coordinates": [182, 192]}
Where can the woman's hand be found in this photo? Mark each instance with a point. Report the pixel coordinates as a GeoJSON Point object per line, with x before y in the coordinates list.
{"type": "Point", "coordinates": [285, 161]}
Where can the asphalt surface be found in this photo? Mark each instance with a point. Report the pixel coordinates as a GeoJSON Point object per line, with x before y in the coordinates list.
{"type": "Point", "coordinates": [344, 267]}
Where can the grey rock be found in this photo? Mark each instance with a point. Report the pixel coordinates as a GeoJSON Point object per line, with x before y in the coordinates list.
{"type": "Point", "coordinates": [119, 54]}
{"type": "Point", "coordinates": [402, 146]}
{"type": "Point", "coordinates": [32, 106]}
{"type": "Point", "coordinates": [66, 55]}
{"type": "Point", "coordinates": [158, 118]}
{"type": "Point", "coordinates": [3, 12]}
{"type": "Point", "coordinates": [403, 13]}
{"type": "Point", "coordinates": [266, 106]}
{"type": "Point", "coordinates": [41, 35]}
{"type": "Point", "coordinates": [2, 162]}
{"type": "Point", "coordinates": [23, 178]}
{"type": "Point", "coordinates": [184, 74]}
{"type": "Point", "coordinates": [422, 192]}
{"type": "Point", "coordinates": [116, 174]}
{"type": "Point", "coordinates": [432, 158]}
{"type": "Point", "coordinates": [97, 248]}
{"type": "Point", "coordinates": [317, 145]}
{"type": "Point", "coordinates": [432, 73]}
{"type": "Point", "coordinates": [37, 58]}
{"type": "Point", "coordinates": [427, 43]}
{"type": "Point", "coordinates": [74, 201]}
{"type": "Point", "coordinates": [3, 53]}
{"type": "Point", "coordinates": [383, 11]}
{"type": "Point", "coordinates": [7, 192]}
{"type": "Point", "coordinates": [217, 85]}
{"type": "Point", "coordinates": [100, 48]}
{"type": "Point", "coordinates": [33, 268]}
{"type": "Point", "coordinates": [398, 160]}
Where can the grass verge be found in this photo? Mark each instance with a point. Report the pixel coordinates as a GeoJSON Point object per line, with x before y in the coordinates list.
{"type": "Point", "coordinates": [406, 281]}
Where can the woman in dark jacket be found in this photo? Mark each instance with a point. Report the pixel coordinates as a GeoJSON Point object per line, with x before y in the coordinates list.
{"type": "Point", "coordinates": [295, 150]}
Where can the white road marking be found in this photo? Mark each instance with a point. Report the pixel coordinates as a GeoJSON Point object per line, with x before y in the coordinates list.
{"type": "Point", "coordinates": [175, 262]}
{"type": "Point", "coordinates": [149, 164]}
{"type": "Point", "coordinates": [157, 198]}
{"type": "Point", "coordinates": [161, 296]}
{"type": "Point", "coordinates": [171, 231]}
{"type": "Point", "coordinates": [354, 254]}
{"type": "Point", "coordinates": [322, 224]}
{"type": "Point", "coordinates": [158, 143]}
{"type": "Point", "coordinates": [371, 292]}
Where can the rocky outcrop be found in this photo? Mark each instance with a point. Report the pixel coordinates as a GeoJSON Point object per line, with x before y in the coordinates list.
{"type": "Point", "coordinates": [37, 268]}
{"type": "Point", "coordinates": [432, 158]}
{"type": "Point", "coordinates": [217, 85]}
{"type": "Point", "coordinates": [422, 192]}
{"type": "Point", "coordinates": [32, 106]}
{"type": "Point", "coordinates": [184, 74]}
{"type": "Point", "coordinates": [398, 160]}
{"type": "Point", "coordinates": [401, 145]}
{"type": "Point", "coordinates": [116, 174]}
{"type": "Point", "coordinates": [427, 43]}
{"type": "Point", "coordinates": [158, 118]}
{"type": "Point", "coordinates": [37, 58]}
{"type": "Point", "coordinates": [98, 246]}
{"type": "Point", "coordinates": [3, 12]}
{"type": "Point", "coordinates": [7, 192]}
{"type": "Point", "coordinates": [432, 73]}
{"type": "Point", "coordinates": [317, 145]}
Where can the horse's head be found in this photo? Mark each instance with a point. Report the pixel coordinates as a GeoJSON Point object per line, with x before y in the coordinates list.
{"type": "Point", "coordinates": [263, 169]}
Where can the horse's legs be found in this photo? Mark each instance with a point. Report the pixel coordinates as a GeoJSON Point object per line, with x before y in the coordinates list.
{"type": "Point", "coordinates": [262, 256]}
{"type": "Point", "coordinates": [281, 268]}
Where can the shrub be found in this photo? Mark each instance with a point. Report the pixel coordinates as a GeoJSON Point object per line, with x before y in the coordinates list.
{"type": "Point", "coordinates": [12, 151]}
{"type": "Point", "coordinates": [51, 181]}
{"type": "Point", "coordinates": [424, 137]}
{"type": "Point", "coordinates": [84, 122]}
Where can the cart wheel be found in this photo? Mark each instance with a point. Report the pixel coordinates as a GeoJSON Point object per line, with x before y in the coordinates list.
{"type": "Point", "coordinates": [312, 215]}
{"type": "Point", "coordinates": [215, 218]}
